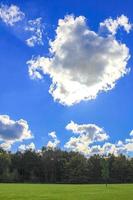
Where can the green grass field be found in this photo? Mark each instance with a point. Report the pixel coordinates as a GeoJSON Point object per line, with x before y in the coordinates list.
{"type": "Point", "coordinates": [65, 192]}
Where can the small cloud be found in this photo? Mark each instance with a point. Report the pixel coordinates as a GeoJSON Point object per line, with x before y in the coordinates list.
{"type": "Point", "coordinates": [11, 14]}
{"type": "Point", "coordinates": [113, 25]}
{"type": "Point", "coordinates": [55, 142]}
{"type": "Point", "coordinates": [131, 133]}
{"type": "Point", "coordinates": [12, 131]}
{"type": "Point", "coordinates": [6, 145]}
{"type": "Point", "coordinates": [35, 27]}
{"type": "Point", "coordinates": [53, 134]}
{"type": "Point", "coordinates": [87, 134]}
{"type": "Point", "coordinates": [24, 147]}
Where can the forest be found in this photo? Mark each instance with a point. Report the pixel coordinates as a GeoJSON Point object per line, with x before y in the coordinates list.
{"type": "Point", "coordinates": [58, 166]}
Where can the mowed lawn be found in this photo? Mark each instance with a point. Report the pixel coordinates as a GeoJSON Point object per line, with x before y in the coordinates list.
{"type": "Point", "coordinates": [65, 192]}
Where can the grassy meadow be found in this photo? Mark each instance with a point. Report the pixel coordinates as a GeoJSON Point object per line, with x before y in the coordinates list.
{"type": "Point", "coordinates": [65, 192]}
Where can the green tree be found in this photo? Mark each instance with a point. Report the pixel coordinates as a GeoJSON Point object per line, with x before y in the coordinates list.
{"type": "Point", "coordinates": [94, 169]}
{"type": "Point", "coordinates": [105, 170]}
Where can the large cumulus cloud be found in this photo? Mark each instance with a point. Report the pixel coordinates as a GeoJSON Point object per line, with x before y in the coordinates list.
{"type": "Point", "coordinates": [82, 63]}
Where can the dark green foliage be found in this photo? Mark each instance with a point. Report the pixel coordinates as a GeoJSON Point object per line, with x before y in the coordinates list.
{"type": "Point", "coordinates": [105, 170]}
{"type": "Point", "coordinates": [57, 166]}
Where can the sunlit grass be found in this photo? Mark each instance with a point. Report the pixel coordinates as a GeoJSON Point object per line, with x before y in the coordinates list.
{"type": "Point", "coordinates": [65, 192]}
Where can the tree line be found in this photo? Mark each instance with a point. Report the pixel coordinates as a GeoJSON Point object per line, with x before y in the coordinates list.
{"type": "Point", "coordinates": [58, 166]}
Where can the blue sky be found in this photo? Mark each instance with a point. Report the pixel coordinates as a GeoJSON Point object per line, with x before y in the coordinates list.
{"type": "Point", "coordinates": [21, 97]}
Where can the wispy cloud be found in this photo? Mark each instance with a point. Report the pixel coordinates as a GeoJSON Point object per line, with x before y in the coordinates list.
{"type": "Point", "coordinates": [11, 14]}
{"type": "Point", "coordinates": [35, 27]}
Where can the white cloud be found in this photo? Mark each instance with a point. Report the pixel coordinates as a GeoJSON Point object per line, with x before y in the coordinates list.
{"type": "Point", "coordinates": [35, 27]}
{"type": "Point", "coordinates": [11, 14]}
{"type": "Point", "coordinates": [53, 134]}
{"type": "Point", "coordinates": [87, 134]}
{"type": "Point", "coordinates": [82, 146]}
{"type": "Point", "coordinates": [131, 133]}
{"type": "Point", "coordinates": [129, 146]}
{"type": "Point", "coordinates": [6, 145]}
{"type": "Point", "coordinates": [93, 132]}
{"type": "Point", "coordinates": [55, 142]}
{"type": "Point", "coordinates": [24, 147]}
{"type": "Point", "coordinates": [79, 144]}
{"type": "Point", "coordinates": [82, 63]}
{"type": "Point", "coordinates": [108, 148]}
{"type": "Point", "coordinates": [129, 142]}
{"type": "Point", "coordinates": [113, 25]}
{"type": "Point", "coordinates": [13, 131]}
